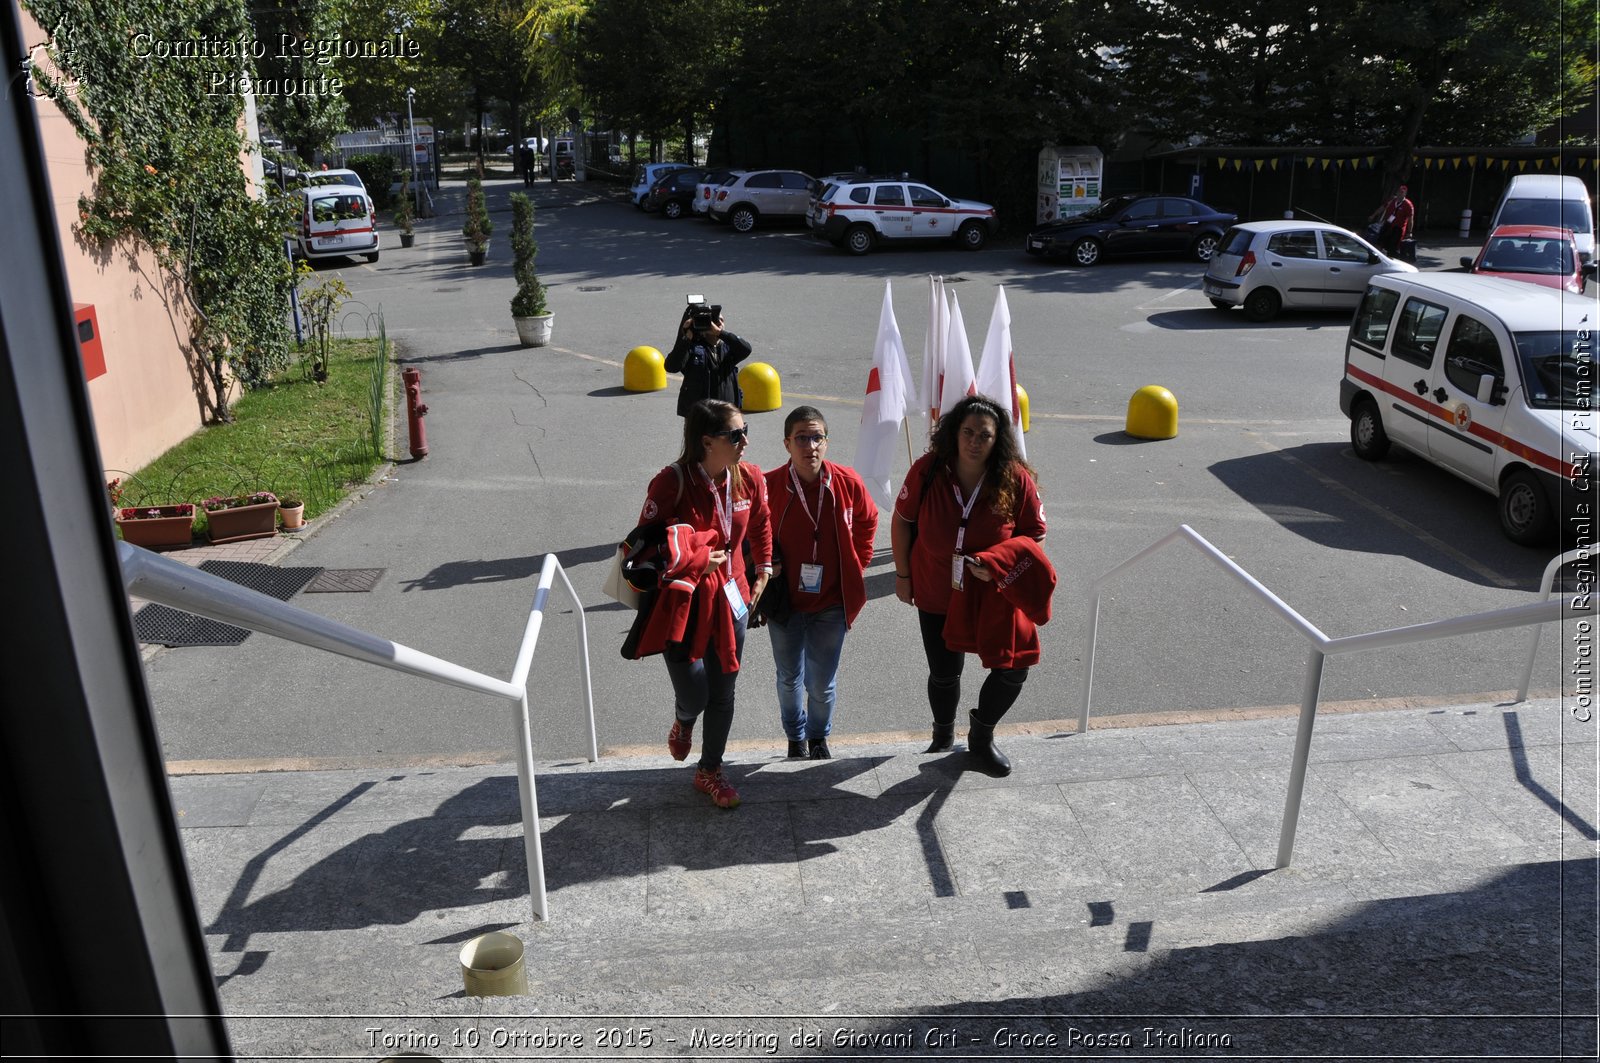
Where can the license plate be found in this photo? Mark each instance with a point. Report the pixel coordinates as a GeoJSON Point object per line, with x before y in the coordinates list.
{"type": "Point", "coordinates": [331, 241]}
{"type": "Point", "coordinates": [1212, 289]}
{"type": "Point", "coordinates": [1036, 244]}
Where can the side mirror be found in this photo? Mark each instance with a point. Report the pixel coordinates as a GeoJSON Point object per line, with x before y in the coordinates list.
{"type": "Point", "coordinates": [1487, 386]}
{"type": "Point", "coordinates": [1466, 261]}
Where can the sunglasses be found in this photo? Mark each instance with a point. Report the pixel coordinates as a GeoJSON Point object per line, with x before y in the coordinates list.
{"type": "Point", "coordinates": [735, 436]}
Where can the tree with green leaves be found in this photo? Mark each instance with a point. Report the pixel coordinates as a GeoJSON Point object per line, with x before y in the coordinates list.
{"type": "Point", "coordinates": [291, 33]}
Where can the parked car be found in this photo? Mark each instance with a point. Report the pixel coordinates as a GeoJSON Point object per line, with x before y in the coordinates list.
{"type": "Point", "coordinates": [744, 201]}
{"type": "Point", "coordinates": [673, 194]}
{"type": "Point", "coordinates": [708, 186]}
{"type": "Point", "coordinates": [337, 220]}
{"type": "Point", "coordinates": [1137, 224]}
{"type": "Point", "coordinates": [1268, 266]}
{"type": "Point", "coordinates": [646, 174]}
{"type": "Point", "coordinates": [1538, 254]}
{"type": "Point", "coordinates": [856, 213]}
{"type": "Point", "coordinates": [335, 177]}
{"type": "Point", "coordinates": [1546, 199]}
{"type": "Point", "coordinates": [1486, 378]}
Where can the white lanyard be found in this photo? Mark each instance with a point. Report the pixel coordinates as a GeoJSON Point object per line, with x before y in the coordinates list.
{"type": "Point", "coordinates": [799, 490]}
{"type": "Point", "coordinates": [724, 512]}
{"type": "Point", "coordinates": [966, 507]}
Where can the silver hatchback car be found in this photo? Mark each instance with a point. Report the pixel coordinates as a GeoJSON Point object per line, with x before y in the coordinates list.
{"type": "Point", "coordinates": [1268, 266]}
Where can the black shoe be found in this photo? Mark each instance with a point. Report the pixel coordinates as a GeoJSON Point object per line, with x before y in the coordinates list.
{"type": "Point", "coordinates": [797, 749]}
{"type": "Point", "coordinates": [819, 749]}
{"type": "Point", "coordinates": [984, 754]}
{"type": "Point", "coordinates": [944, 738]}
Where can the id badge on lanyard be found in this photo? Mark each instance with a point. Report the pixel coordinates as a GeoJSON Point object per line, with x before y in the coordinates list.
{"type": "Point", "coordinates": [810, 572]}
{"type": "Point", "coordinates": [958, 563]}
{"type": "Point", "coordinates": [735, 599]}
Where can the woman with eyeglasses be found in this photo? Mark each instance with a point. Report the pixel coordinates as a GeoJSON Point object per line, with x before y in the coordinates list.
{"type": "Point", "coordinates": [823, 525]}
{"type": "Point", "coordinates": [966, 529]}
{"type": "Point", "coordinates": [710, 502]}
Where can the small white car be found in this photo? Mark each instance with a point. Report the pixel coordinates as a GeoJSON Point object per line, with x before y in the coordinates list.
{"type": "Point", "coordinates": [1268, 266]}
{"type": "Point", "coordinates": [856, 214]}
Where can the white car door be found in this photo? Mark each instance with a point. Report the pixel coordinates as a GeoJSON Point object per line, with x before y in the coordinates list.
{"type": "Point", "coordinates": [930, 213]}
{"type": "Point", "coordinates": [1457, 436]}
{"type": "Point", "coordinates": [1347, 264]}
{"type": "Point", "coordinates": [1408, 370]}
{"type": "Point", "coordinates": [894, 213]}
{"type": "Point", "coordinates": [1294, 267]}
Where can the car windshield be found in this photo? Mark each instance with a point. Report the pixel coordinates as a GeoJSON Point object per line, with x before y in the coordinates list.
{"type": "Point", "coordinates": [1515, 254]}
{"type": "Point", "coordinates": [1558, 213]}
{"type": "Point", "coordinates": [1558, 368]}
{"type": "Point", "coordinates": [1109, 209]}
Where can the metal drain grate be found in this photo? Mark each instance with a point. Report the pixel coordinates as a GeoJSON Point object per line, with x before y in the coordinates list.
{"type": "Point", "coordinates": [164, 626]}
{"type": "Point", "coordinates": [594, 287]}
{"type": "Point", "coordinates": [346, 580]}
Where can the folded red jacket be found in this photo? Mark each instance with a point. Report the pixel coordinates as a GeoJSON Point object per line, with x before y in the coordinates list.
{"type": "Point", "coordinates": [999, 619]}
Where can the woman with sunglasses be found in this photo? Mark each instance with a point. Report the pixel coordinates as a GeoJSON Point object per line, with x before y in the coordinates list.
{"type": "Point", "coordinates": [971, 492]}
{"type": "Point", "coordinates": [710, 501]}
{"type": "Point", "coordinates": [823, 524]}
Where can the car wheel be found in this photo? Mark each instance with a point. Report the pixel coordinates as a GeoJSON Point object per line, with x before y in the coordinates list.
{"type": "Point", "coordinates": [1367, 436]}
{"type": "Point", "coordinates": [1085, 252]}
{"type": "Point", "coordinates": [1220, 305]}
{"type": "Point", "coordinates": [743, 219]}
{"type": "Point", "coordinates": [372, 256]}
{"type": "Point", "coordinates": [672, 209]}
{"type": "Point", "coordinates": [972, 236]}
{"type": "Point", "coordinates": [1263, 304]}
{"type": "Point", "coordinates": [1525, 514]}
{"type": "Point", "coordinates": [1205, 245]}
{"type": "Point", "coordinates": [859, 239]}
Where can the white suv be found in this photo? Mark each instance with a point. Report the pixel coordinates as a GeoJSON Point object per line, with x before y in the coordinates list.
{"type": "Point", "coordinates": [856, 214]}
{"type": "Point", "coordinates": [746, 199]}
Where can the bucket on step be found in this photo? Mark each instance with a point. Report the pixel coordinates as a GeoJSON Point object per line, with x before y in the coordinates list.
{"type": "Point", "coordinates": [492, 966]}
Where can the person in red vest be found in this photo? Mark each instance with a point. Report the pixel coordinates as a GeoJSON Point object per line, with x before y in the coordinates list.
{"type": "Point", "coordinates": [972, 491]}
{"type": "Point", "coordinates": [823, 525]}
{"type": "Point", "coordinates": [710, 501]}
{"type": "Point", "coordinates": [1394, 219]}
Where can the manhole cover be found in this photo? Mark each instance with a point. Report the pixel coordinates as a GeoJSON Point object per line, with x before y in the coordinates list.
{"type": "Point", "coordinates": [447, 289]}
{"type": "Point", "coordinates": [594, 287]}
{"type": "Point", "coordinates": [347, 580]}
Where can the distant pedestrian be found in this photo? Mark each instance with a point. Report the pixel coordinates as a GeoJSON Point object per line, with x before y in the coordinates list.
{"type": "Point", "coordinates": [528, 158]}
{"type": "Point", "coordinates": [1394, 218]}
{"type": "Point", "coordinates": [823, 526]}
{"type": "Point", "coordinates": [710, 501]}
{"type": "Point", "coordinates": [966, 530]}
{"type": "Point", "coordinates": [708, 356]}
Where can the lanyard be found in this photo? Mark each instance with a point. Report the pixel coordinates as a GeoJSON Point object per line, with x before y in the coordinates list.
{"type": "Point", "coordinates": [816, 522]}
{"type": "Point", "coordinates": [966, 507]}
{"type": "Point", "coordinates": [723, 511]}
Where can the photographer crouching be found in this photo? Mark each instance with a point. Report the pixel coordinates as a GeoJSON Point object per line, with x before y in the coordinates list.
{"type": "Point", "coordinates": [707, 355]}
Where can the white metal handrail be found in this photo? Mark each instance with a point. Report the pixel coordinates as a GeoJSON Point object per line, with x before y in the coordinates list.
{"type": "Point", "coordinates": [172, 583]}
{"type": "Point", "coordinates": [1322, 647]}
{"type": "Point", "coordinates": [1584, 553]}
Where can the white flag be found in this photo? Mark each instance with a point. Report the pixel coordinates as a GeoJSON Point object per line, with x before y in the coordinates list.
{"type": "Point", "coordinates": [889, 400]}
{"type": "Point", "coordinates": [997, 368]}
{"type": "Point", "coordinates": [958, 375]}
{"type": "Point", "coordinates": [933, 357]}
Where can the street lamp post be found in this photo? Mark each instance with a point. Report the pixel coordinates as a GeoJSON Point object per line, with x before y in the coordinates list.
{"type": "Point", "coordinates": [411, 129]}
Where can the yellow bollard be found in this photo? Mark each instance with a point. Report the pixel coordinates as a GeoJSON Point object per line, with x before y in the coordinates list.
{"type": "Point", "coordinates": [644, 369]}
{"type": "Point", "coordinates": [762, 389]}
{"type": "Point", "coordinates": [1022, 407]}
{"type": "Point", "coordinates": [1152, 413]}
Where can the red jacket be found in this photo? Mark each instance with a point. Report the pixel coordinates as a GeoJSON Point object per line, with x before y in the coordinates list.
{"type": "Point", "coordinates": [998, 620]}
{"type": "Point", "coordinates": [855, 521]}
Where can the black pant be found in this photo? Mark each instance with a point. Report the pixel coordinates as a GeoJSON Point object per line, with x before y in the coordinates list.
{"type": "Point", "coordinates": [706, 687]}
{"type": "Point", "coordinates": [998, 693]}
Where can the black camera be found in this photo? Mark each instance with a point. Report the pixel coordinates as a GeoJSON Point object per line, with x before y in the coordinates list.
{"type": "Point", "coordinates": [702, 315]}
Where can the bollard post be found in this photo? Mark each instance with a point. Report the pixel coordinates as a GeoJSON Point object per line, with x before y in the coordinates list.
{"type": "Point", "coordinates": [1466, 224]}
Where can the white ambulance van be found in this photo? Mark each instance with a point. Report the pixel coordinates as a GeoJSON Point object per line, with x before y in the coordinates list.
{"type": "Point", "coordinates": [1491, 379]}
{"type": "Point", "coordinates": [337, 220]}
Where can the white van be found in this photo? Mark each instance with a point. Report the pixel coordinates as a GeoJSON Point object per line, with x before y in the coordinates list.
{"type": "Point", "coordinates": [1545, 199]}
{"type": "Point", "coordinates": [1491, 379]}
{"type": "Point", "coordinates": [337, 220]}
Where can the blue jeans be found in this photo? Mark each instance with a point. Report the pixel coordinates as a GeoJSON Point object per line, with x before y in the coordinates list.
{"type": "Point", "coordinates": [806, 650]}
{"type": "Point", "coordinates": [705, 687]}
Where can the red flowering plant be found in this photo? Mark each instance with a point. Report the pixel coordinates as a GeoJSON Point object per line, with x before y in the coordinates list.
{"type": "Point", "coordinates": [115, 489]}
{"type": "Point", "coordinates": [235, 501]}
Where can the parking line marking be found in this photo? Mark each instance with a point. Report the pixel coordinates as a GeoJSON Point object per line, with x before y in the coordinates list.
{"type": "Point", "coordinates": [1426, 537]}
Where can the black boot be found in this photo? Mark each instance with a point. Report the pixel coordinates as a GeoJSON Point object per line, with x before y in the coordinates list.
{"type": "Point", "coordinates": [797, 749]}
{"type": "Point", "coordinates": [944, 737]}
{"type": "Point", "coordinates": [819, 749]}
{"type": "Point", "coordinates": [944, 694]}
{"type": "Point", "coordinates": [982, 751]}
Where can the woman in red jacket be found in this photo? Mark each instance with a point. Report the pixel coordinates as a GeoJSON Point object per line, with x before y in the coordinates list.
{"type": "Point", "coordinates": [715, 501]}
{"type": "Point", "coordinates": [823, 525]}
{"type": "Point", "coordinates": [971, 491]}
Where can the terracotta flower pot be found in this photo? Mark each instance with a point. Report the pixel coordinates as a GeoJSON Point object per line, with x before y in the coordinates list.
{"type": "Point", "coordinates": [294, 517]}
{"type": "Point", "coordinates": [243, 522]}
{"type": "Point", "coordinates": [172, 527]}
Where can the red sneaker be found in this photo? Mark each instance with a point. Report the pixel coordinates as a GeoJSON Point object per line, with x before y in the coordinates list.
{"type": "Point", "coordinates": [679, 739]}
{"type": "Point", "coordinates": [716, 785]}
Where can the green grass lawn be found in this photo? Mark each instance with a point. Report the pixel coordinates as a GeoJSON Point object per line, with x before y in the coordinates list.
{"type": "Point", "coordinates": [295, 438]}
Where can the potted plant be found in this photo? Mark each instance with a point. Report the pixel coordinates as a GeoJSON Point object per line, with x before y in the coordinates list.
{"type": "Point", "coordinates": [292, 511]}
{"type": "Point", "coordinates": [232, 518]}
{"type": "Point", "coordinates": [405, 211]}
{"type": "Point", "coordinates": [152, 527]}
{"type": "Point", "coordinates": [528, 307]}
{"type": "Point", "coordinates": [478, 226]}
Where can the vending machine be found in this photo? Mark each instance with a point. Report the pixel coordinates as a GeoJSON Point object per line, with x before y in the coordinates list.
{"type": "Point", "coordinates": [1069, 181]}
